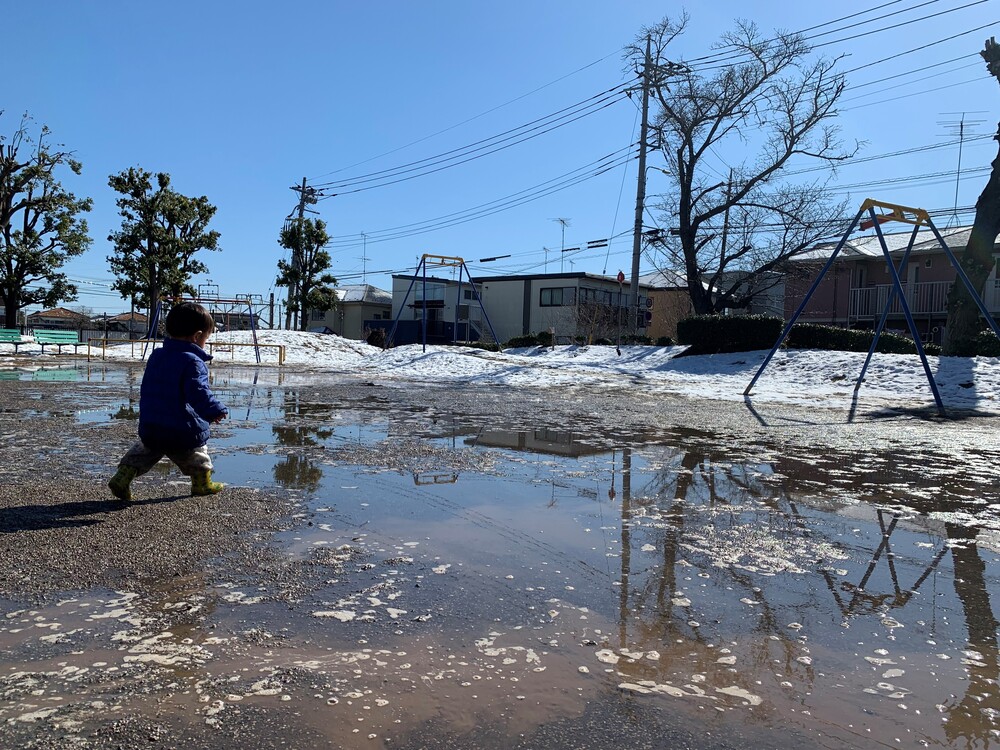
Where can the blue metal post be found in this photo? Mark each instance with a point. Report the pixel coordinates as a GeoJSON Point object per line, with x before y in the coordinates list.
{"type": "Point", "coordinates": [482, 307]}
{"type": "Point", "coordinates": [888, 304]}
{"type": "Point", "coordinates": [154, 324]}
{"type": "Point", "coordinates": [909, 320]}
{"type": "Point", "coordinates": [392, 333]}
{"type": "Point", "coordinates": [423, 318]}
{"type": "Point", "coordinates": [458, 303]}
{"type": "Point", "coordinates": [253, 331]}
{"type": "Point", "coordinates": [798, 312]}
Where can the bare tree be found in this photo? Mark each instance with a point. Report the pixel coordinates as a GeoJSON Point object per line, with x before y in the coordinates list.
{"type": "Point", "coordinates": [763, 98]}
{"type": "Point", "coordinates": [977, 260]}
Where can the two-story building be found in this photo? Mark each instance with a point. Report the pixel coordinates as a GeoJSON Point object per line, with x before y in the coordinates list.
{"type": "Point", "coordinates": [857, 287]}
{"type": "Point", "coordinates": [570, 305]}
{"type": "Point", "coordinates": [356, 304]}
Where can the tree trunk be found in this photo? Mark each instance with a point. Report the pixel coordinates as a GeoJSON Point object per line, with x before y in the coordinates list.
{"type": "Point", "coordinates": [10, 308]}
{"type": "Point", "coordinates": [977, 262]}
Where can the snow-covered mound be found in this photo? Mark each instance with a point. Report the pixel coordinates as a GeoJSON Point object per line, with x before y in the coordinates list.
{"type": "Point", "coordinates": [815, 378]}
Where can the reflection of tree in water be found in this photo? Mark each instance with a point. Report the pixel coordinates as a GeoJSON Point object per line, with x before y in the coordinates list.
{"type": "Point", "coordinates": [305, 425]}
{"type": "Point", "coordinates": [974, 718]}
{"type": "Point", "coordinates": [687, 483]}
{"type": "Point", "coordinates": [298, 472]}
{"type": "Point", "coordinates": [126, 411]}
{"type": "Point", "coordinates": [700, 488]}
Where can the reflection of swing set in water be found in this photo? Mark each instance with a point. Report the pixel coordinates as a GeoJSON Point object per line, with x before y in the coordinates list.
{"type": "Point", "coordinates": [860, 596]}
{"type": "Point", "coordinates": [918, 217]}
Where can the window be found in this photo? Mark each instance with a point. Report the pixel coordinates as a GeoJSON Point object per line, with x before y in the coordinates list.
{"type": "Point", "coordinates": [557, 296]}
{"type": "Point", "coordinates": [319, 314]}
{"type": "Point", "coordinates": [551, 297]}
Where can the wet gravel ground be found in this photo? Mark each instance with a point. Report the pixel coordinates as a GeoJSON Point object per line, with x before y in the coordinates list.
{"type": "Point", "coordinates": [64, 538]}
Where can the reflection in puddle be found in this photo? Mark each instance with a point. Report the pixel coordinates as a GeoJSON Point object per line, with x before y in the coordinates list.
{"type": "Point", "coordinates": [491, 583]}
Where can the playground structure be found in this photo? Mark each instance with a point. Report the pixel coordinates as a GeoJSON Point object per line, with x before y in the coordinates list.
{"type": "Point", "coordinates": [223, 311]}
{"type": "Point", "coordinates": [439, 261]}
{"type": "Point", "coordinates": [918, 217]}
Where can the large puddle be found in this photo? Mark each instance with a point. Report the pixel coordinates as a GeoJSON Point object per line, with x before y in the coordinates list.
{"type": "Point", "coordinates": [487, 583]}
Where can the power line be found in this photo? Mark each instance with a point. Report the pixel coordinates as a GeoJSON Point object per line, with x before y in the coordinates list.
{"type": "Point", "coordinates": [512, 137]}
{"type": "Point", "coordinates": [475, 117]}
{"type": "Point", "coordinates": [568, 179]}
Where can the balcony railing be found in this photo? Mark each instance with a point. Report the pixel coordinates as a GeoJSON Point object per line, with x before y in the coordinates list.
{"type": "Point", "coordinates": [923, 298]}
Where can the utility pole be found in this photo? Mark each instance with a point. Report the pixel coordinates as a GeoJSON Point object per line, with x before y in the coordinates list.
{"type": "Point", "coordinates": [305, 196]}
{"type": "Point", "coordinates": [640, 194]}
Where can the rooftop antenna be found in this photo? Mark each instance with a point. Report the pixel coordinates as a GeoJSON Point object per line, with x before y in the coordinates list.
{"type": "Point", "coordinates": [364, 258]}
{"type": "Point", "coordinates": [564, 223]}
{"type": "Point", "coordinates": [959, 128]}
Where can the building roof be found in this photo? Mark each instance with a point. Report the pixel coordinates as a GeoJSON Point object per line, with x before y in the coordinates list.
{"type": "Point", "coordinates": [363, 293]}
{"type": "Point", "coordinates": [869, 246]}
{"type": "Point", "coordinates": [57, 312]}
{"type": "Point", "coordinates": [129, 316]}
{"type": "Point", "coordinates": [665, 279]}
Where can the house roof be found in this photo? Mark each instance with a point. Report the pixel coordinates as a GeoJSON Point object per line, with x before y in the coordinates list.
{"type": "Point", "coordinates": [896, 242]}
{"type": "Point", "coordinates": [665, 279]}
{"type": "Point", "coordinates": [363, 293]}
{"type": "Point", "coordinates": [129, 316]}
{"type": "Point", "coordinates": [58, 312]}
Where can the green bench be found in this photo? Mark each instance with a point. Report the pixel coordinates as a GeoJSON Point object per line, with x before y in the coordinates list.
{"type": "Point", "coordinates": [58, 338]}
{"type": "Point", "coordinates": [12, 336]}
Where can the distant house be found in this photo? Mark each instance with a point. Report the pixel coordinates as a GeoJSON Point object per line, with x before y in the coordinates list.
{"type": "Point", "coordinates": [670, 302]}
{"type": "Point", "coordinates": [356, 304]}
{"type": "Point", "coordinates": [58, 317]}
{"type": "Point", "coordinates": [571, 305]}
{"type": "Point", "coordinates": [130, 322]}
{"type": "Point", "coordinates": [855, 290]}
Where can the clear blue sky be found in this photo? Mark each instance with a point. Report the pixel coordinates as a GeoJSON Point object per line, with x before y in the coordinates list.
{"type": "Point", "coordinates": [240, 101]}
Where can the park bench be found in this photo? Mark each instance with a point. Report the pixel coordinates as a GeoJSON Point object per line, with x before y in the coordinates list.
{"type": "Point", "coordinates": [13, 336]}
{"type": "Point", "coordinates": [58, 338]}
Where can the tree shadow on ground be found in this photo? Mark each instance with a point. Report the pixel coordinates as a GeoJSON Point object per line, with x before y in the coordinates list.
{"type": "Point", "coordinates": [79, 513]}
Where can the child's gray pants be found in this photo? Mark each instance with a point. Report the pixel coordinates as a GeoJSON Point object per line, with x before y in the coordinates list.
{"type": "Point", "coordinates": [143, 458]}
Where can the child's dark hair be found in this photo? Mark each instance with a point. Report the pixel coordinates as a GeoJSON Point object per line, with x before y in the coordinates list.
{"type": "Point", "coordinates": [186, 319]}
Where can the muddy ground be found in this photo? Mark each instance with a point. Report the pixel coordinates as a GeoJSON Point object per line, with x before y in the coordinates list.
{"type": "Point", "coordinates": [149, 639]}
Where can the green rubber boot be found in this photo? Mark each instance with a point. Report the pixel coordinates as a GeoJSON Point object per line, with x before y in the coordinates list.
{"type": "Point", "coordinates": [202, 484]}
{"type": "Point", "coordinates": [119, 484]}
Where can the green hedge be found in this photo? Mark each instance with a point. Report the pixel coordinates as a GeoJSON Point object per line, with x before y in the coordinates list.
{"type": "Point", "coordinates": [713, 334]}
{"type": "Point", "coordinates": [815, 336]}
{"type": "Point", "coordinates": [519, 342]}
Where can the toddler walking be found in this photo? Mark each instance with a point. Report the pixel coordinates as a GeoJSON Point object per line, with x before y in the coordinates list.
{"type": "Point", "coordinates": [176, 406]}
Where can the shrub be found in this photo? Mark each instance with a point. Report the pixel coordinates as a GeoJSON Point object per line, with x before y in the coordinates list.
{"type": "Point", "coordinates": [637, 338]}
{"type": "Point", "coordinates": [712, 334]}
{"type": "Point", "coordinates": [603, 342]}
{"type": "Point", "coordinates": [518, 342]}
{"type": "Point", "coordinates": [484, 345]}
{"type": "Point", "coordinates": [544, 338]}
{"type": "Point", "coordinates": [815, 336]}
{"type": "Point", "coordinates": [664, 341]}
{"type": "Point", "coordinates": [987, 344]}
{"type": "Point", "coordinates": [376, 337]}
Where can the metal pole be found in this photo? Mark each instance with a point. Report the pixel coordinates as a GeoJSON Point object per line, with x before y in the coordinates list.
{"type": "Point", "coordinates": [888, 304]}
{"type": "Point", "coordinates": [805, 301]}
{"type": "Point", "coordinates": [909, 319]}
